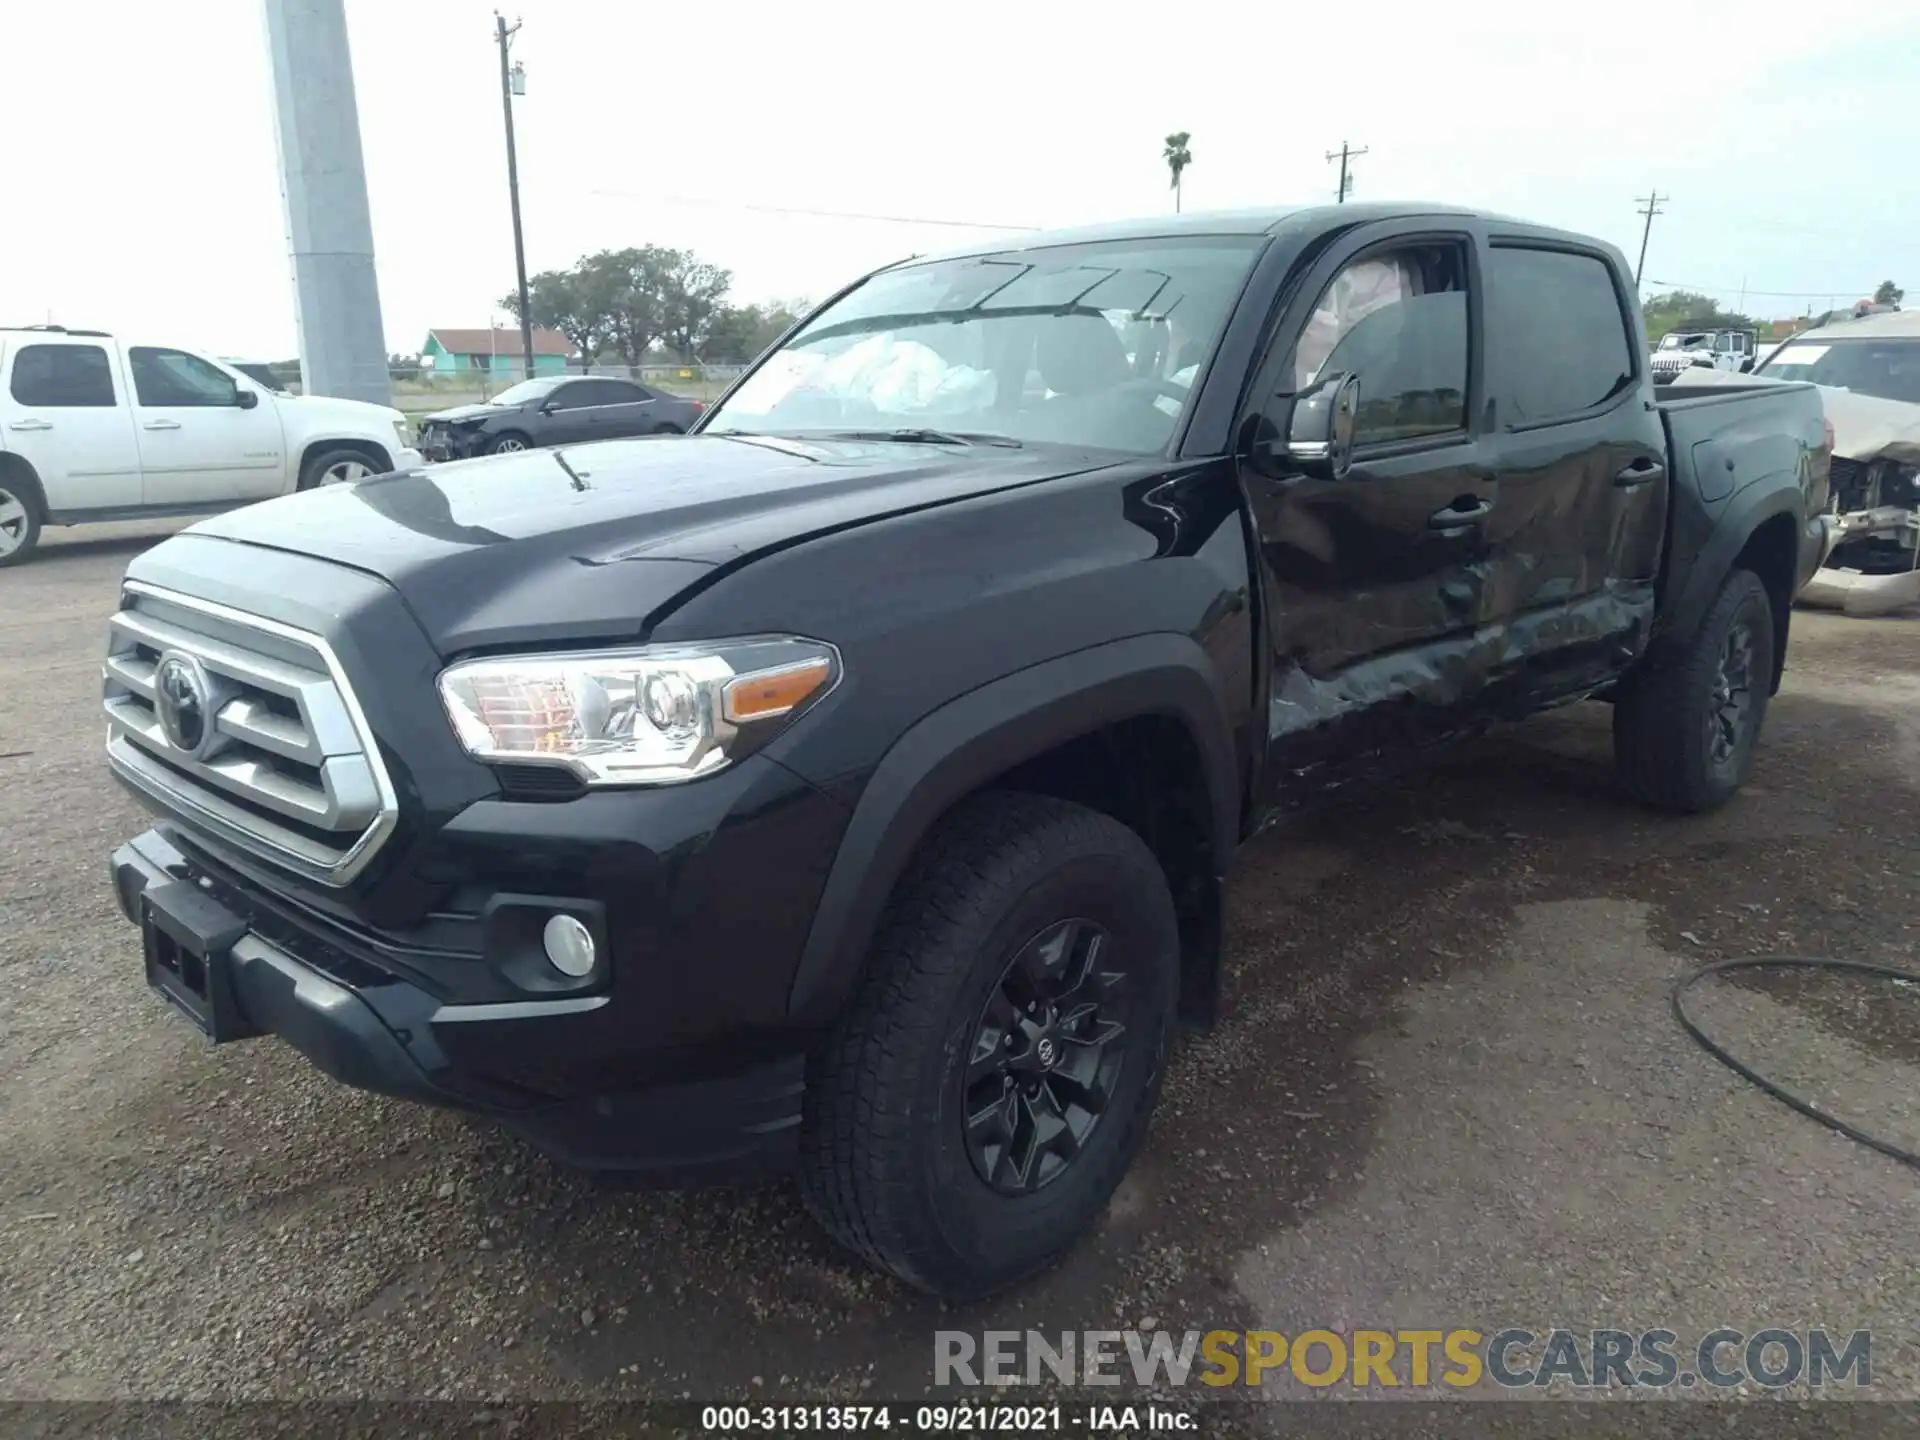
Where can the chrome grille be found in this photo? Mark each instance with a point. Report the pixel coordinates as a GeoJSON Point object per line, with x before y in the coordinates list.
{"type": "Point", "coordinates": [287, 768]}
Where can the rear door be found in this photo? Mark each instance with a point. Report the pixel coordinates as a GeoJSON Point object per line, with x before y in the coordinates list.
{"type": "Point", "coordinates": [1374, 582]}
{"type": "Point", "coordinates": [619, 408]}
{"type": "Point", "coordinates": [66, 414]}
{"type": "Point", "coordinates": [1575, 543]}
{"type": "Point", "coordinates": [200, 442]}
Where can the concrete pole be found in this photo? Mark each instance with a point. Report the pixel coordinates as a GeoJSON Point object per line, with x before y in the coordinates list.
{"type": "Point", "coordinates": [343, 348]}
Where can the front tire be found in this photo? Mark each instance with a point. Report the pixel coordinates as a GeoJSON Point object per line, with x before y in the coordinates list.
{"type": "Point", "coordinates": [1685, 730]}
{"type": "Point", "coordinates": [509, 444]}
{"type": "Point", "coordinates": [993, 1078]}
{"type": "Point", "coordinates": [343, 466]}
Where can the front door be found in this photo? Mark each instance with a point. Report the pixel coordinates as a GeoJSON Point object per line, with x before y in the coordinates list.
{"type": "Point", "coordinates": [199, 443]}
{"type": "Point", "coordinates": [66, 414]}
{"type": "Point", "coordinates": [1375, 581]}
{"type": "Point", "coordinates": [568, 414]}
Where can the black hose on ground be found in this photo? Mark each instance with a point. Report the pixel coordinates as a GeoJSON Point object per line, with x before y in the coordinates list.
{"type": "Point", "coordinates": [1780, 1092]}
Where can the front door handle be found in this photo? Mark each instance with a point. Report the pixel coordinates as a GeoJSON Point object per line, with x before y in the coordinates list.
{"type": "Point", "coordinates": [30, 425]}
{"type": "Point", "coordinates": [1457, 516]}
{"type": "Point", "coordinates": [162, 425]}
{"type": "Point", "coordinates": [1641, 472]}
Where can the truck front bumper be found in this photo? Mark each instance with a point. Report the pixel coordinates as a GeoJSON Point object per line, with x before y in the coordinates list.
{"type": "Point", "coordinates": [378, 1031]}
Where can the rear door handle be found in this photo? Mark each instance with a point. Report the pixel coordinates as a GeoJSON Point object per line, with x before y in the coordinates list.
{"type": "Point", "coordinates": [1640, 472]}
{"type": "Point", "coordinates": [162, 425]}
{"type": "Point", "coordinates": [1457, 516]}
{"type": "Point", "coordinates": [30, 425]}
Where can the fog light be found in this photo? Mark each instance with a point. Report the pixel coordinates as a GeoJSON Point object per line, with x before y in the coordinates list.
{"type": "Point", "coordinates": [569, 946]}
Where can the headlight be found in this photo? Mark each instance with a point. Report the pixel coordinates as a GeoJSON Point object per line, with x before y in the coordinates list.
{"type": "Point", "coordinates": [400, 433]}
{"type": "Point", "coordinates": [647, 716]}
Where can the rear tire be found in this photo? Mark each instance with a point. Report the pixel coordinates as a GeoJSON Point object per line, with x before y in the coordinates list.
{"type": "Point", "coordinates": [1685, 730]}
{"type": "Point", "coordinates": [20, 517]}
{"type": "Point", "coordinates": [1012, 898]}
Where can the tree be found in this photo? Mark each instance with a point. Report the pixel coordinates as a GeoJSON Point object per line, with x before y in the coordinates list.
{"type": "Point", "coordinates": [1178, 157]}
{"type": "Point", "coordinates": [1689, 310]}
{"type": "Point", "coordinates": [1888, 294]}
{"type": "Point", "coordinates": [692, 295]}
{"type": "Point", "coordinates": [638, 311]}
{"type": "Point", "coordinates": [740, 333]}
{"type": "Point", "coordinates": [577, 302]}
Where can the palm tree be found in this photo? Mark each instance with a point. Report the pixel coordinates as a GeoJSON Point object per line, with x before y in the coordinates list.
{"type": "Point", "coordinates": [1178, 157]}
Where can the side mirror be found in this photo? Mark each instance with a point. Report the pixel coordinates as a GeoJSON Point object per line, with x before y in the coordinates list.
{"type": "Point", "coordinates": [1319, 428]}
{"type": "Point", "coordinates": [547, 407]}
{"type": "Point", "coordinates": [245, 399]}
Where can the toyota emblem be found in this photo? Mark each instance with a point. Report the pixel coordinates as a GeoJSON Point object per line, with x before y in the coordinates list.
{"type": "Point", "coordinates": [1046, 1051]}
{"type": "Point", "coordinates": [180, 701]}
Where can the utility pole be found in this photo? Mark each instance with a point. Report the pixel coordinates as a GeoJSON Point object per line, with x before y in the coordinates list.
{"type": "Point", "coordinates": [511, 82]}
{"type": "Point", "coordinates": [1343, 154]}
{"type": "Point", "coordinates": [1652, 202]}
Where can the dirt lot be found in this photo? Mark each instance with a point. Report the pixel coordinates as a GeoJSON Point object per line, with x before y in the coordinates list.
{"type": "Point", "coordinates": [1448, 1093]}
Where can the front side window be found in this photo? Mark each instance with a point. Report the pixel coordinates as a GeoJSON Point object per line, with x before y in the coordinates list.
{"type": "Point", "coordinates": [1397, 322]}
{"type": "Point", "coordinates": [1888, 369]}
{"type": "Point", "coordinates": [175, 378]}
{"type": "Point", "coordinates": [62, 376]}
{"type": "Point", "coordinates": [1558, 333]}
{"type": "Point", "coordinates": [1096, 345]}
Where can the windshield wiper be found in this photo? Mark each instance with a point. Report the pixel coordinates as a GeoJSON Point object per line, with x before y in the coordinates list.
{"type": "Point", "coordinates": [922, 436]}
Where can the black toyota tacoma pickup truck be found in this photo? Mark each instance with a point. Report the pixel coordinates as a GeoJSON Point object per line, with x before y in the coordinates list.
{"type": "Point", "coordinates": [851, 784]}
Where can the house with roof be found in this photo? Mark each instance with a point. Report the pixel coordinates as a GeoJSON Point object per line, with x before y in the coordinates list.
{"type": "Point", "coordinates": [459, 352]}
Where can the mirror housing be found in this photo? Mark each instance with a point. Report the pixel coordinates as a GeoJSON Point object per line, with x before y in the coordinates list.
{"type": "Point", "coordinates": [244, 398]}
{"type": "Point", "coordinates": [1318, 425]}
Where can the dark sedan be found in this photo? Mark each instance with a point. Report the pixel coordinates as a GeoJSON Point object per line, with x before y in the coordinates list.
{"type": "Point", "coordinates": [555, 410]}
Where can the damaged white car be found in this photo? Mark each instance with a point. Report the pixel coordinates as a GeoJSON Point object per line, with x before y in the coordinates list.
{"type": "Point", "coordinates": [1869, 373]}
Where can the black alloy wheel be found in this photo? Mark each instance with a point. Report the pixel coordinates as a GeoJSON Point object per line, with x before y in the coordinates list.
{"type": "Point", "coordinates": [1046, 1056]}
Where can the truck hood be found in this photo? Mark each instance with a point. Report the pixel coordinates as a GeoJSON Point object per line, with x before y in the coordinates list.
{"type": "Point", "coordinates": [360, 416]}
{"type": "Point", "coordinates": [595, 541]}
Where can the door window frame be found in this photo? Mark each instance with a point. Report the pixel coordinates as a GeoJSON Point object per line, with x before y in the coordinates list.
{"type": "Point", "coordinates": [1302, 296]}
{"type": "Point", "coordinates": [141, 401]}
{"type": "Point", "coordinates": [1636, 352]}
{"type": "Point", "coordinates": [112, 402]}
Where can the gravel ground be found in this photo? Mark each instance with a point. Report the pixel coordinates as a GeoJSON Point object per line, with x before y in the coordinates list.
{"type": "Point", "coordinates": [1448, 1092]}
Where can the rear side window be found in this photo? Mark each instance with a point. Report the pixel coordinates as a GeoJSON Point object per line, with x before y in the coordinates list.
{"type": "Point", "coordinates": [62, 375]}
{"type": "Point", "coordinates": [1557, 335]}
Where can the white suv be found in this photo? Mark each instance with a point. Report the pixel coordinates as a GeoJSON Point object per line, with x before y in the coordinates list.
{"type": "Point", "coordinates": [91, 429]}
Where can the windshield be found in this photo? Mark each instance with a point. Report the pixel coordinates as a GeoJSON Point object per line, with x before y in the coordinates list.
{"type": "Point", "coordinates": [1094, 345]}
{"type": "Point", "coordinates": [1889, 369]}
{"type": "Point", "coordinates": [1682, 342]}
{"type": "Point", "coordinates": [528, 390]}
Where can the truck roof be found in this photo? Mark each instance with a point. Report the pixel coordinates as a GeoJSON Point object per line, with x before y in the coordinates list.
{"type": "Point", "coordinates": [1265, 221]}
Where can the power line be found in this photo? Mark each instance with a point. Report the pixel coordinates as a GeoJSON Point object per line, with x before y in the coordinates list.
{"type": "Point", "coordinates": [1343, 154]}
{"type": "Point", "coordinates": [1776, 294]}
{"type": "Point", "coordinates": [1652, 202]}
{"type": "Point", "coordinates": [820, 214]}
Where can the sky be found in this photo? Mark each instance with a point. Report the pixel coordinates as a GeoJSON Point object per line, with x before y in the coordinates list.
{"type": "Point", "coordinates": [141, 186]}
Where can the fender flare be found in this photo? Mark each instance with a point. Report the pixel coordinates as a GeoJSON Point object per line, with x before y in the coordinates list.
{"type": "Point", "coordinates": [954, 750]}
{"type": "Point", "coordinates": [1737, 524]}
